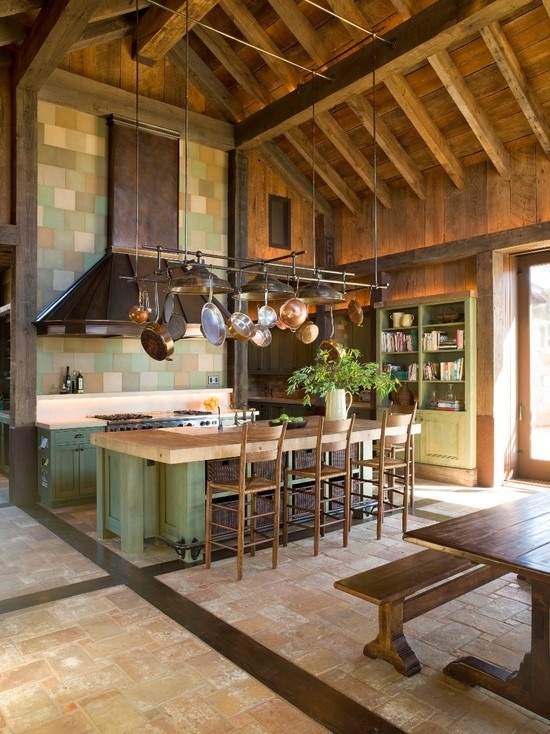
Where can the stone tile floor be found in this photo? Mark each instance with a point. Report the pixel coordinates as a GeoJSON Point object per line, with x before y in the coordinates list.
{"type": "Point", "coordinates": [108, 661]}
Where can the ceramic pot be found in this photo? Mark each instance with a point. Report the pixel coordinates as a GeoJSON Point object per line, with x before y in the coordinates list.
{"type": "Point", "coordinates": [337, 404]}
{"type": "Point", "coordinates": [396, 317]}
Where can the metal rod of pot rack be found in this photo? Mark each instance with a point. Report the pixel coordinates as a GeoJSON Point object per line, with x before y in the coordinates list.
{"type": "Point", "coordinates": [245, 263]}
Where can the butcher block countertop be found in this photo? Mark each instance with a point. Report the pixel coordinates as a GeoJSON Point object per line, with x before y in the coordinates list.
{"type": "Point", "coordinates": [183, 445]}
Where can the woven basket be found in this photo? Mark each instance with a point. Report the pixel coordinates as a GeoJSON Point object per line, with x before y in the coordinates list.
{"type": "Point", "coordinates": [403, 396]}
{"type": "Point", "coordinates": [448, 315]}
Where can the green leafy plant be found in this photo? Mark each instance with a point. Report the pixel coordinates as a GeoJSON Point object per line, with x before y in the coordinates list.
{"type": "Point", "coordinates": [347, 372]}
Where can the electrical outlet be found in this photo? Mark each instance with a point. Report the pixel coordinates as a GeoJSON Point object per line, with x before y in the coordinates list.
{"type": "Point", "coordinates": [213, 379]}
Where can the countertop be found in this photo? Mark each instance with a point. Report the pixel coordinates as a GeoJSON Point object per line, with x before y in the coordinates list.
{"type": "Point", "coordinates": [58, 425]}
{"type": "Point", "coordinates": [184, 445]}
{"type": "Point", "coordinates": [281, 399]}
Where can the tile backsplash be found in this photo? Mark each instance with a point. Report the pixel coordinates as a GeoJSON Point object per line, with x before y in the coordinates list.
{"type": "Point", "coordinates": [72, 236]}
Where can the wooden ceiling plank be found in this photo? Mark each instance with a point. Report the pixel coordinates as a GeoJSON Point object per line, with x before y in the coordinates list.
{"type": "Point", "coordinates": [305, 147]}
{"type": "Point", "coordinates": [426, 128]}
{"type": "Point", "coordinates": [257, 36]}
{"type": "Point", "coordinates": [59, 24]}
{"type": "Point", "coordinates": [436, 28]}
{"type": "Point", "coordinates": [303, 31]}
{"type": "Point", "coordinates": [96, 98]}
{"type": "Point", "coordinates": [292, 176]}
{"type": "Point", "coordinates": [160, 30]}
{"type": "Point", "coordinates": [353, 156]}
{"type": "Point", "coordinates": [475, 117]}
{"type": "Point", "coordinates": [234, 65]}
{"type": "Point", "coordinates": [206, 81]}
{"type": "Point", "coordinates": [546, 4]}
{"type": "Point", "coordinates": [389, 144]}
{"type": "Point", "coordinates": [511, 70]}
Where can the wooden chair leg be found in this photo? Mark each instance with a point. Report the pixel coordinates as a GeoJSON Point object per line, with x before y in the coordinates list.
{"type": "Point", "coordinates": [240, 536]}
{"type": "Point", "coordinates": [317, 517]}
{"type": "Point", "coordinates": [276, 518]}
{"type": "Point", "coordinates": [208, 534]}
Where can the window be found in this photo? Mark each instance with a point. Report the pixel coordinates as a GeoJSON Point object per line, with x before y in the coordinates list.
{"type": "Point", "coordinates": [279, 222]}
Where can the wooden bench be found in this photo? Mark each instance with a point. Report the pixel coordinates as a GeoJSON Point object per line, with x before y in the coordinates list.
{"type": "Point", "coordinates": [404, 589]}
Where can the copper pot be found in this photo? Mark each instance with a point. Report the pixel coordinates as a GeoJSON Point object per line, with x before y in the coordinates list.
{"type": "Point", "coordinates": [335, 350]}
{"type": "Point", "coordinates": [293, 313]}
{"type": "Point", "coordinates": [355, 312]}
{"type": "Point", "coordinates": [307, 332]}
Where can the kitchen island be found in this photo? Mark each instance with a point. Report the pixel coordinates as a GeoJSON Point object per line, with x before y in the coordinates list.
{"type": "Point", "coordinates": [151, 483]}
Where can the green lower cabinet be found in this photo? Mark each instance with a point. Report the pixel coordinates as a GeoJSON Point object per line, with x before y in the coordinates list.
{"type": "Point", "coordinates": [447, 439]}
{"type": "Point", "coordinates": [138, 499]}
{"type": "Point", "coordinates": [66, 467]}
{"type": "Point", "coordinates": [5, 449]}
{"type": "Point", "coordinates": [117, 471]}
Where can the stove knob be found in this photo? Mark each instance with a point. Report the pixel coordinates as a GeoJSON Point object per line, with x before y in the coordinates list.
{"type": "Point", "coordinates": [203, 423]}
{"type": "Point", "coordinates": [189, 424]}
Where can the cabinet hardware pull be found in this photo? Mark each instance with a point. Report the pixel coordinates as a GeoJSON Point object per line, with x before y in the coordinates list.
{"type": "Point", "coordinates": [79, 435]}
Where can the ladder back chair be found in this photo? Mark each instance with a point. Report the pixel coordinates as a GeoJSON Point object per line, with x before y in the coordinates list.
{"type": "Point", "coordinates": [316, 495]}
{"type": "Point", "coordinates": [388, 473]}
{"type": "Point", "coordinates": [251, 505]}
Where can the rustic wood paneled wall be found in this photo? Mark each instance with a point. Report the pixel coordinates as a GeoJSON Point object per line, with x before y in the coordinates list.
{"type": "Point", "coordinates": [5, 147]}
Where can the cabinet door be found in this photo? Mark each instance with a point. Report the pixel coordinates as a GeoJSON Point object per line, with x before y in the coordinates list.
{"type": "Point", "coordinates": [87, 470]}
{"type": "Point", "coordinates": [445, 439]}
{"type": "Point", "coordinates": [67, 473]}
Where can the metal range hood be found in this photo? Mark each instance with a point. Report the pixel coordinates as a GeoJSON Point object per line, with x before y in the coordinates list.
{"type": "Point", "coordinates": [99, 302]}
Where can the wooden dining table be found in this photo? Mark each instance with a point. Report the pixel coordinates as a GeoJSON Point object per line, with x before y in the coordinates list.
{"type": "Point", "coordinates": [183, 452]}
{"type": "Point", "coordinates": [514, 537]}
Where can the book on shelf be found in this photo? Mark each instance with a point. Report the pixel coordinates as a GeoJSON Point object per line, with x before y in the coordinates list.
{"type": "Point", "coordinates": [452, 370]}
{"type": "Point", "coordinates": [399, 341]}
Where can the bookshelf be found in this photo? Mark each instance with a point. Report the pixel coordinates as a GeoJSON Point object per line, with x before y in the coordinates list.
{"type": "Point", "coordinates": [430, 346]}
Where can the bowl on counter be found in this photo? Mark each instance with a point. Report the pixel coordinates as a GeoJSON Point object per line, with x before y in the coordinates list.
{"type": "Point", "coordinates": [290, 424]}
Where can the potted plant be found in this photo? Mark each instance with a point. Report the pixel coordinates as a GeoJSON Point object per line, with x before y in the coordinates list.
{"type": "Point", "coordinates": [338, 379]}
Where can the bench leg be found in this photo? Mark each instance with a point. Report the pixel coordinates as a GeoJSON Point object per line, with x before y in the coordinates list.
{"type": "Point", "coordinates": [391, 644]}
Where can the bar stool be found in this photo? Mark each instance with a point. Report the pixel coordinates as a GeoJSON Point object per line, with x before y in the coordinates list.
{"type": "Point", "coordinates": [251, 502]}
{"type": "Point", "coordinates": [322, 501]}
{"type": "Point", "coordinates": [392, 469]}
{"type": "Point", "coordinates": [407, 409]}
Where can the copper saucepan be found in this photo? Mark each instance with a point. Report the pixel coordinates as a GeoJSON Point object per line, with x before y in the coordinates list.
{"type": "Point", "coordinates": [156, 338]}
{"type": "Point", "coordinates": [293, 313]}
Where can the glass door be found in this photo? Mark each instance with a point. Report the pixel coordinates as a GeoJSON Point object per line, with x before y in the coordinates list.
{"type": "Point", "coordinates": [534, 367]}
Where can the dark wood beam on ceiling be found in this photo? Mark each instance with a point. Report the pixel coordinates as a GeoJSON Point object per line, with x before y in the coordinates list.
{"type": "Point", "coordinates": [59, 24]}
{"type": "Point", "coordinates": [434, 29]}
{"type": "Point", "coordinates": [533, 236]}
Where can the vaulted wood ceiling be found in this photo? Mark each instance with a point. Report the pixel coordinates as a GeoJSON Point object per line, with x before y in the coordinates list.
{"type": "Point", "coordinates": [462, 80]}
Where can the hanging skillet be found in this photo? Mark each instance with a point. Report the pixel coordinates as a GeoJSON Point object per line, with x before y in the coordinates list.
{"type": "Point", "coordinates": [335, 350]}
{"type": "Point", "coordinates": [355, 312]}
{"type": "Point", "coordinates": [212, 323]}
{"type": "Point", "coordinates": [175, 323]}
{"type": "Point", "coordinates": [155, 337]}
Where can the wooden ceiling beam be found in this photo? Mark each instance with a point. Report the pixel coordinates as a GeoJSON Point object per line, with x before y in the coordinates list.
{"type": "Point", "coordinates": [349, 10]}
{"type": "Point", "coordinates": [303, 31]}
{"type": "Point", "coordinates": [104, 31]}
{"type": "Point", "coordinates": [160, 29]}
{"type": "Point", "coordinates": [434, 29]}
{"type": "Point", "coordinates": [389, 144]}
{"type": "Point", "coordinates": [256, 35]}
{"type": "Point", "coordinates": [293, 177]}
{"type": "Point", "coordinates": [206, 82]}
{"type": "Point", "coordinates": [12, 31]}
{"type": "Point", "coordinates": [14, 7]}
{"type": "Point", "coordinates": [476, 118]}
{"type": "Point", "coordinates": [426, 128]}
{"type": "Point", "coordinates": [234, 65]}
{"type": "Point", "coordinates": [511, 70]}
{"type": "Point", "coordinates": [353, 156]}
{"type": "Point", "coordinates": [59, 24]}
{"type": "Point", "coordinates": [305, 147]}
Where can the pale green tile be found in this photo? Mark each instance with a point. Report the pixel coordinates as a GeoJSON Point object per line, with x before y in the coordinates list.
{"type": "Point", "coordinates": [64, 239]}
{"type": "Point", "coordinates": [101, 205]}
{"type": "Point", "coordinates": [166, 381]}
{"type": "Point", "coordinates": [103, 362]}
{"type": "Point", "coordinates": [75, 221]}
{"type": "Point", "coordinates": [76, 180]}
{"type": "Point", "coordinates": [44, 362]}
{"type": "Point", "coordinates": [112, 346]}
{"type": "Point", "coordinates": [198, 169]}
{"type": "Point", "coordinates": [46, 155]}
{"type": "Point", "coordinates": [45, 195]}
{"type": "Point", "coordinates": [53, 218]}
